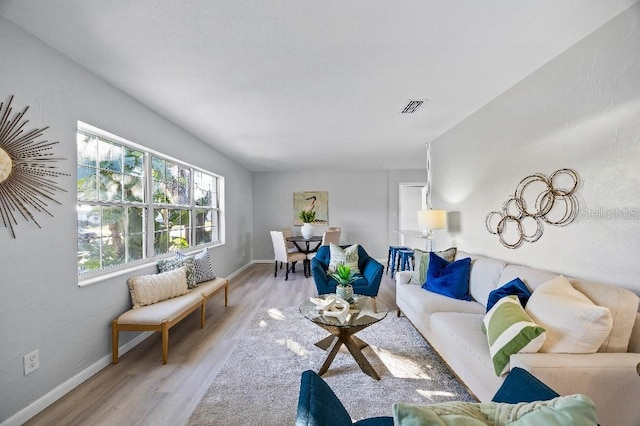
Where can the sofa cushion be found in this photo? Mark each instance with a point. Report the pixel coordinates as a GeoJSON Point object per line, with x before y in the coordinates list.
{"type": "Point", "coordinates": [484, 275]}
{"type": "Point", "coordinates": [421, 262]}
{"type": "Point", "coordinates": [514, 287]}
{"type": "Point", "coordinates": [202, 265]}
{"type": "Point", "coordinates": [510, 331]}
{"type": "Point", "coordinates": [424, 303]}
{"type": "Point", "coordinates": [623, 305]}
{"type": "Point", "coordinates": [574, 323]}
{"type": "Point", "coordinates": [448, 278]}
{"type": "Point", "coordinates": [461, 334]}
{"type": "Point", "coordinates": [532, 277]}
{"type": "Point", "coordinates": [150, 289]}
{"type": "Point", "coordinates": [348, 256]}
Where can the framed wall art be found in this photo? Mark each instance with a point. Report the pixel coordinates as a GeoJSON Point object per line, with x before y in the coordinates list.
{"type": "Point", "coordinates": [317, 201]}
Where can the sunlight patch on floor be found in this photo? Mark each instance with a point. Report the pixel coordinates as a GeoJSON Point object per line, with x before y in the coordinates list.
{"type": "Point", "coordinates": [431, 394]}
{"type": "Point", "coordinates": [294, 347]}
{"type": "Point", "coordinates": [276, 314]}
{"type": "Point", "coordinates": [401, 366]}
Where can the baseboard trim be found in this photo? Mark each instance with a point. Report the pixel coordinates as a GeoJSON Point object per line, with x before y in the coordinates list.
{"type": "Point", "coordinates": [64, 388]}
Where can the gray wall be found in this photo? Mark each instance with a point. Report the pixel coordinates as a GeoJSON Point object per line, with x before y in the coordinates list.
{"type": "Point", "coordinates": [580, 111]}
{"type": "Point", "coordinates": [41, 306]}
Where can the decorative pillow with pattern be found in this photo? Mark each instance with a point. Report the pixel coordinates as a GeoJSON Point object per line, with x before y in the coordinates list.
{"type": "Point", "coordinates": [421, 259]}
{"type": "Point", "coordinates": [149, 289]}
{"type": "Point", "coordinates": [510, 331]}
{"type": "Point", "coordinates": [348, 256]}
{"type": "Point", "coordinates": [165, 265]}
{"type": "Point", "coordinates": [202, 264]}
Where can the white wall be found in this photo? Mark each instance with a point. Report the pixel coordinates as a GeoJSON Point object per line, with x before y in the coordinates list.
{"type": "Point", "coordinates": [41, 305]}
{"type": "Point", "coordinates": [579, 111]}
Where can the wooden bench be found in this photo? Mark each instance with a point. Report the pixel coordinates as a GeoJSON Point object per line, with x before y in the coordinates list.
{"type": "Point", "coordinates": [163, 315]}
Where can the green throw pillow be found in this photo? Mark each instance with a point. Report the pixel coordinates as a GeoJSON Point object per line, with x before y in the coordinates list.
{"type": "Point", "coordinates": [421, 259]}
{"type": "Point", "coordinates": [575, 409]}
{"type": "Point", "coordinates": [348, 256]}
{"type": "Point", "coordinates": [165, 265]}
{"type": "Point", "coordinates": [510, 331]}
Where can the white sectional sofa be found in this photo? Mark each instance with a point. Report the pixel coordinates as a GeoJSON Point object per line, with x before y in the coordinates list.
{"type": "Point", "coordinates": [454, 329]}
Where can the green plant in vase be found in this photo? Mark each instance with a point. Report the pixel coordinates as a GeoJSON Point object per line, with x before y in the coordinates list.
{"type": "Point", "coordinates": [344, 277]}
{"type": "Point", "coordinates": [307, 217]}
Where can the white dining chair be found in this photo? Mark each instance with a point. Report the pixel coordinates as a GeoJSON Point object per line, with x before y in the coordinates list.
{"type": "Point", "coordinates": [283, 256]}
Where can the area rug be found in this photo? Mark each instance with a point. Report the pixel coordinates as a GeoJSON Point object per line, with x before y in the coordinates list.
{"type": "Point", "coordinates": [260, 381]}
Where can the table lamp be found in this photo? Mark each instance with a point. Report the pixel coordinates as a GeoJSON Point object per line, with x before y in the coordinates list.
{"type": "Point", "coordinates": [428, 220]}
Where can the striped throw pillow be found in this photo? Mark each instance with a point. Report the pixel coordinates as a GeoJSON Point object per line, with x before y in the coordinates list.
{"type": "Point", "coordinates": [510, 331]}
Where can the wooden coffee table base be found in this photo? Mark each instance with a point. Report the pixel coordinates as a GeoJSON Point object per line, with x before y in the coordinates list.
{"type": "Point", "coordinates": [345, 336]}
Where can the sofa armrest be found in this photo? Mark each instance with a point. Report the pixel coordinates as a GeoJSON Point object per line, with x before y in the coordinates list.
{"type": "Point", "coordinates": [403, 277]}
{"type": "Point", "coordinates": [610, 379]}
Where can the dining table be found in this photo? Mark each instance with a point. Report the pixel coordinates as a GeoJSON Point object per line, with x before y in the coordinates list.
{"type": "Point", "coordinates": [306, 246]}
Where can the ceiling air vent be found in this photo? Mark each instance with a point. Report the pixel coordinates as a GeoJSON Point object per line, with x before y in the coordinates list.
{"type": "Point", "coordinates": [412, 106]}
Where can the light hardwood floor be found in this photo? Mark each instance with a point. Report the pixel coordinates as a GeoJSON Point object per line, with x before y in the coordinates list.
{"type": "Point", "coordinates": [139, 390]}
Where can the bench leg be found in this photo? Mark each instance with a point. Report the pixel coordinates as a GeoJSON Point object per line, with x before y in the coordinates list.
{"type": "Point", "coordinates": [165, 341]}
{"type": "Point", "coordinates": [114, 341]}
{"type": "Point", "coordinates": [202, 311]}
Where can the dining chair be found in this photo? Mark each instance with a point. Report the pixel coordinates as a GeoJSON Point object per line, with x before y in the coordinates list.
{"type": "Point", "coordinates": [328, 237]}
{"type": "Point", "coordinates": [288, 232]}
{"type": "Point", "coordinates": [283, 256]}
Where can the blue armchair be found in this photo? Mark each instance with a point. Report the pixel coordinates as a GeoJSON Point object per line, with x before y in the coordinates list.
{"type": "Point", "coordinates": [318, 405]}
{"type": "Point", "coordinates": [368, 281]}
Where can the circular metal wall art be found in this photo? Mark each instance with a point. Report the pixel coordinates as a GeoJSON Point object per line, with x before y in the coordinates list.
{"type": "Point", "coordinates": [27, 171]}
{"type": "Point", "coordinates": [537, 200]}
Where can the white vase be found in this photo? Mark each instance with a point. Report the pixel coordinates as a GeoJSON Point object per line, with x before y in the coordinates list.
{"type": "Point", "coordinates": [307, 230]}
{"type": "Point", "coordinates": [345, 292]}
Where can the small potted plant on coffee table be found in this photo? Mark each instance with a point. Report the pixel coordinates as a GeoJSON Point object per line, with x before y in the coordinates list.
{"type": "Point", "coordinates": [344, 277]}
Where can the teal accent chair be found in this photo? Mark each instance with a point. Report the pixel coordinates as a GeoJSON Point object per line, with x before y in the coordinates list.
{"type": "Point", "coordinates": [318, 405]}
{"type": "Point", "coordinates": [367, 282]}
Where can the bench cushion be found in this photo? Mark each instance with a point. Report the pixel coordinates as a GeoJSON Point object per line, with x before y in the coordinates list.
{"type": "Point", "coordinates": [207, 288]}
{"type": "Point", "coordinates": [168, 310]}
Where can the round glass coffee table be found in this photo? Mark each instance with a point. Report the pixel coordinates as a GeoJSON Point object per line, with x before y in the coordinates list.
{"type": "Point", "coordinates": [363, 312]}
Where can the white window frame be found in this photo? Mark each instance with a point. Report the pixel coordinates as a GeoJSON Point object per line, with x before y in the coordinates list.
{"type": "Point", "coordinates": [91, 277]}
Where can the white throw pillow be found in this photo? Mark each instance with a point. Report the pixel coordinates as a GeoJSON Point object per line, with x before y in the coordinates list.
{"type": "Point", "coordinates": [573, 322]}
{"type": "Point", "coordinates": [348, 256]}
{"type": "Point", "coordinates": [150, 289]}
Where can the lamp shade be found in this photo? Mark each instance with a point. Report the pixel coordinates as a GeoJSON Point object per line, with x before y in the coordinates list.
{"type": "Point", "coordinates": [432, 219]}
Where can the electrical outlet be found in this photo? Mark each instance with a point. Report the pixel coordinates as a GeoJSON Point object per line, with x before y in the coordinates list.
{"type": "Point", "coordinates": [31, 362]}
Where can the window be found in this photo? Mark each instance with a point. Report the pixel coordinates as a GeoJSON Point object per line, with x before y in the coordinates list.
{"type": "Point", "coordinates": [134, 203]}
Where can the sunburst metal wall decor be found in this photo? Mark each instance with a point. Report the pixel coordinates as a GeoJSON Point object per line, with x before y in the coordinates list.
{"type": "Point", "coordinates": [27, 174]}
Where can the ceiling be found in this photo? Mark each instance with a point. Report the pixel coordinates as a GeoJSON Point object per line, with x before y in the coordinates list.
{"type": "Point", "coordinates": [289, 85]}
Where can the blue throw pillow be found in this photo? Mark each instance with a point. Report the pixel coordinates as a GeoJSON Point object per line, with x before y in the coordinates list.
{"type": "Point", "coordinates": [514, 287]}
{"type": "Point", "coordinates": [448, 278]}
